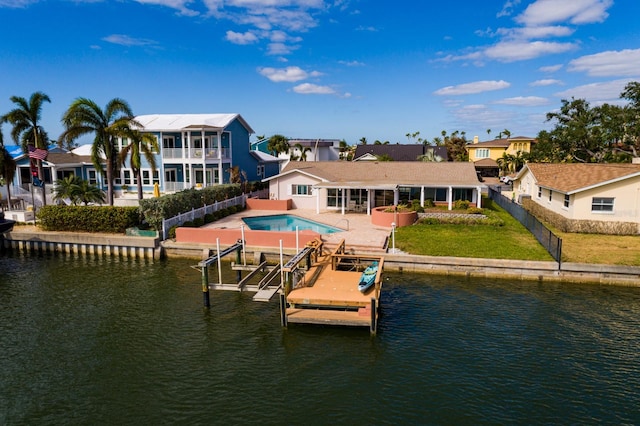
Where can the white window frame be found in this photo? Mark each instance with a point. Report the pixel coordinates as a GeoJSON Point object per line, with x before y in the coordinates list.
{"type": "Point", "coordinates": [300, 190]}
{"type": "Point", "coordinates": [605, 205]}
{"type": "Point", "coordinates": [482, 153]}
{"type": "Point", "coordinates": [567, 201]}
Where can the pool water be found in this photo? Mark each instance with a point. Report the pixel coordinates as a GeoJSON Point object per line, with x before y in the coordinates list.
{"type": "Point", "coordinates": [287, 222]}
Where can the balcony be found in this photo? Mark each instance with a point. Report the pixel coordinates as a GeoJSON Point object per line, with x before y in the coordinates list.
{"type": "Point", "coordinates": [195, 153]}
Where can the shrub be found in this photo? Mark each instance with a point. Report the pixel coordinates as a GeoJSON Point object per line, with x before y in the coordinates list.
{"type": "Point", "coordinates": [209, 217]}
{"type": "Point", "coordinates": [429, 203]}
{"type": "Point", "coordinates": [198, 222]}
{"type": "Point", "coordinates": [461, 204]}
{"type": "Point", "coordinates": [107, 219]}
{"type": "Point", "coordinates": [474, 210]}
{"type": "Point", "coordinates": [172, 231]}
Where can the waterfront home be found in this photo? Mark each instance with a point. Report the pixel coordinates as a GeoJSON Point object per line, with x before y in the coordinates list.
{"type": "Point", "coordinates": [195, 151]}
{"type": "Point", "coordinates": [485, 155]}
{"type": "Point", "coordinates": [400, 152]}
{"type": "Point", "coordinates": [199, 150]}
{"type": "Point", "coordinates": [360, 186]}
{"type": "Point", "coordinates": [602, 198]}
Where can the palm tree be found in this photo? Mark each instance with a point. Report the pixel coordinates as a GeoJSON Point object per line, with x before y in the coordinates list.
{"type": "Point", "coordinates": [8, 168]}
{"type": "Point", "coordinates": [84, 116]}
{"type": "Point", "coordinates": [278, 144]}
{"type": "Point", "coordinates": [303, 150]}
{"type": "Point", "coordinates": [363, 141]}
{"type": "Point", "coordinates": [26, 130]}
{"type": "Point", "coordinates": [77, 190]}
{"type": "Point", "coordinates": [506, 163]}
{"type": "Point", "coordinates": [139, 143]}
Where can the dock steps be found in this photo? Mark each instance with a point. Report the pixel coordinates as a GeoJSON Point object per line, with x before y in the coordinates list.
{"type": "Point", "coordinates": [266, 294]}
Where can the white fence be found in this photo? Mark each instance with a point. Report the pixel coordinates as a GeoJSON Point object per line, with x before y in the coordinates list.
{"type": "Point", "coordinates": [209, 209]}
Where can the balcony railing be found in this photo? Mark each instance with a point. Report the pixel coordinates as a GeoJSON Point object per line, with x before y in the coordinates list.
{"type": "Point", "coordinates": [209, 153]}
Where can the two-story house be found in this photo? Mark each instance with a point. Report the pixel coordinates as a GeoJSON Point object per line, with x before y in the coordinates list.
{"type": "Point", "coordinates": [485, 155]}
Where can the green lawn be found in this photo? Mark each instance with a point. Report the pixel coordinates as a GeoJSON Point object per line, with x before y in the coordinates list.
{"type": "Point", "coordinates": [511, 241]}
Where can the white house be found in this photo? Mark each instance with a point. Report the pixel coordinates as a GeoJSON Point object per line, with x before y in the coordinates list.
{"type": "Point", "coordinates": [360, 186]}
{"type": "Point", "coordinates": [583, 192]}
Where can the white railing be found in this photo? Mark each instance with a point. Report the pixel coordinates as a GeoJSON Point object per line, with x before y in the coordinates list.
{"type": "Point", "coordinates": [208, 209]}
{"type": "Point", "coordinates": [209, 153]}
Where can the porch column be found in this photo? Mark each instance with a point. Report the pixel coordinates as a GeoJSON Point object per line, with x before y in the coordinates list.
{"type": "Point", "coordinates": [422, 196]}
{"type": "Point", "coordinates": [369, 202]}
{"type": "Point", "coordinates": [396, 196]}
{"type": "Point", "coordinates": [220, 175]}
{"type": "Point", "coordinates": [479, 195]}
{"type": "Point", "coordinates": [317, 191]}
{"type": "Point", "coordinates": [450, 198]}
{"type": "Point", "coordinates": [343, 199]}
{"type": "Point", "coordinates": [204, 159]}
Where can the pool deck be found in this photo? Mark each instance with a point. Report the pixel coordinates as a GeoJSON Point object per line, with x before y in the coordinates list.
{"type": "Point", "coordinates": [359, 233]}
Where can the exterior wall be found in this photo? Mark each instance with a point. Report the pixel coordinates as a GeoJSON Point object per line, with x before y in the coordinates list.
{"type": "Point", "coordinates": [280, 189]}
{"type": "Point", "coordinates": [626, 196]}
{"type": "Point", "coordinates": [252, 238]}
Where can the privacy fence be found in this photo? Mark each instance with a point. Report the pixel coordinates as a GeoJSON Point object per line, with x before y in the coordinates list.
{"type": "Point", "coordinates": [551, 242]}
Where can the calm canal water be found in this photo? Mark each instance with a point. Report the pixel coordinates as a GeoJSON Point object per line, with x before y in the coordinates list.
{"type": "Point", "coordinates": [124, 342]}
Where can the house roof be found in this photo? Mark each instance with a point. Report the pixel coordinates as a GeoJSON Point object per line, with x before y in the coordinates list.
{"type": "Point", "coordinates": [399, 152]}
{"type": "Point", "coordinates": [264, 157]}
{"type": "Point", "coordinates": [311, 143]}
{"type": "Point", "coordinates": [60, 158]}
{"type": "Point", "coordinates": [575, 177]}
{"type": "Point", "coordinates": [174, 122]}
{"type": "Point", "coordinates": [385, 173]}
{"type": "Point", "coordinates": [486, 162]}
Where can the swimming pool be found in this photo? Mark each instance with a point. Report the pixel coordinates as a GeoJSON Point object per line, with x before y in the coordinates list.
{"type": "Point", "coordinates": [287, 222]}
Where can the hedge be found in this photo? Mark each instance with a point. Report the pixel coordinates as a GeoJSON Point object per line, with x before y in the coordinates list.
{"type": "Point", "coordinates": [87, 218]}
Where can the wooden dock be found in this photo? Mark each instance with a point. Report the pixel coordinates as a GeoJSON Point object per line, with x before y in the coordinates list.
{"type": "Point", "coordinates": [328, 293]}
{"type": "Point", "coordinates": [313, 287]}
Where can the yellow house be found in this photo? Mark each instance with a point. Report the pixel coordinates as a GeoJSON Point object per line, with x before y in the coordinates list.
{"type": "Point", "coordinates": [484, 155]}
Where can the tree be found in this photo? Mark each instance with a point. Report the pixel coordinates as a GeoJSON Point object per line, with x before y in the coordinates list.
{"type": "Point", "coordinates": [83, 117]}
{"type": "Point", "coordinates": [77, 191]}
{"type": "Point", "coordinates": [456, 145]}
{"type": "Point", "coordinates": [26, 131]}
{"type": "Point", "coordinates": [139, 143]}
{"type": "Point", "coordinates": [236, 175]}
{"type": "Point", "coordinates": [303, 150]}
{"type": "Point", "coordinates": [429, 156]}
{"type": "Point", "coordinates": [278, 144]}
{"type": "Point", "coordinates": [363, 141]}
{"type": "Point", "coordinates": [8, 167]}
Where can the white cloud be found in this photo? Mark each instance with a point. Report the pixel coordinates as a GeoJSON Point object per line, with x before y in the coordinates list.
{"type": "Point", "coordinates": [528, 33]}
{"type": "Point", "coordinates": [525, 101]}
{"type": "Point", "coordinates": [517, 51]}
{"type": "Point", "coordinates": [471, 88]}
{"type": "Point", "coordinates": [352, 63]}
{"type": "Point", "coordinates": [546, 82]}
{"type": "Point", "coordinates": [551, 68]}
{"type": "Point", "coordinates": [288, 74]}
{"type": "Point", "coordinates": [241, 38]}
{"type": "Point", "coordinates": [125, 40]}
{"type": "Point", "coordinates": [314, 89]}
{"type": "Point", "coordinates": [613, 63]}
{"type": "Point", "coordinates": [544, 12]}
{"type": "Point", "coordinates": [507, 9]}
{"type": "Point", "coordinates": [179, 5]}
{"type": "Point", "coordinates": [608, 91]}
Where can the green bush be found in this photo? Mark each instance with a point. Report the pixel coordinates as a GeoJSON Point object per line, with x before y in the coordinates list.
{"type": "Point", "coordinates": [198, 222]}
{"type": "Point", "coordinates": [461, 204]}
{"type": "Point", "coordinates": [172, 231]}
{"type": "Point", "coordinates": [429, 203]}
{"type": "Point", "coordinates": [209, 217]}
{"type": "Point", "coordinates": [106, 219]}
{"type": "Point", "coordinates": [474, 210]}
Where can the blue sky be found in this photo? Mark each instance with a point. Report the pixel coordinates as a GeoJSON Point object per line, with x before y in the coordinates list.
{"type": "Point", "coordinates": [342, 69]}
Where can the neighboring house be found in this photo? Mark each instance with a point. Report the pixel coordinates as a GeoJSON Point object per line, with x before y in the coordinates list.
{"type": "Point", "coordinates": [59, 164]}
{"type": "Point", "coordinates": [398, 152]}
{"type": "Point", "coordinates": [195, 150]}
{"type": "Point", "coordinates": [312, 150]}
{"type": "Point", "coordinates": [484, 155]}
{"type": "Point", "coordinates": [592, 197]}
{"type": "Point", "coordinates": [360, 186]}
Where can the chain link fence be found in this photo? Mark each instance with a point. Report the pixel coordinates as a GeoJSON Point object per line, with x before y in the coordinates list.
{"type": "Point", "coordinates": [551, 242]}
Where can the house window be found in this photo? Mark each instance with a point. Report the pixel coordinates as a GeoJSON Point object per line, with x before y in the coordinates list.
{"type": "Point", "coordinates": [566, 201]}
{"type": "Point", "coordinates": [156, 176]}
{"type": "Point", "coordinates": [550, 195]}
{"type": "Point", "coordinates": [300, 190]}
{"type": "Point", "coordinates": [482, 153]}
{"type": "Point", "coordinates": [146, 177]}
{"type": "Point", "coordinates": [126, 174]}
{"type": "Point", "coordinates": [539, 192]}
{"type": "Point", "coordinates": [334, 197]}
{"type": "Point", "coordinates": [260, 170]}
{"type": "Point", "coordinates": [168, 142]}
{"type": "Point", "coordinates": [601, 204]}
{"type": "Point", "coordinates": [92, 176]}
